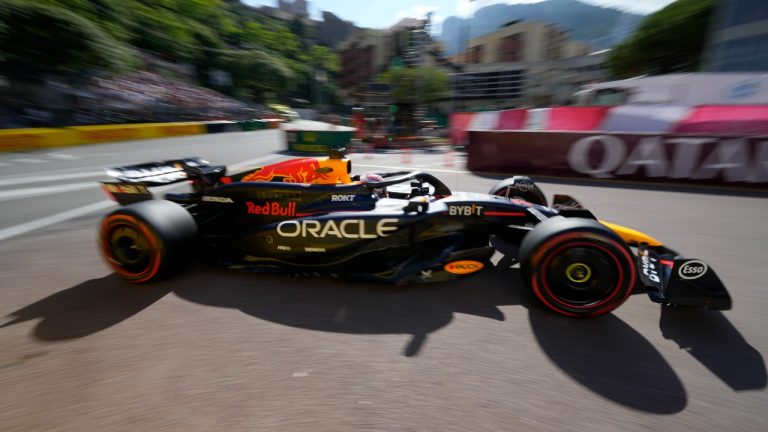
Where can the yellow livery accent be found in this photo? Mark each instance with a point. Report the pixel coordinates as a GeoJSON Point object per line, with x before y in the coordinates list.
{"type": "Point", "coordinates": [632, 236]}
{"type": "Point", "coordinates": [337, 170]}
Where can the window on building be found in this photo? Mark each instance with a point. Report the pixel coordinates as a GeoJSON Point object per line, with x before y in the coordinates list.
{"type": "Point", "coordinates": [746, 11]}
{"type": "Point", "coordinates": [476, 55]}
{"type": "Point", "coordinates": [743, 55]}
{"type": "Point", "coordinates": [511, 48]}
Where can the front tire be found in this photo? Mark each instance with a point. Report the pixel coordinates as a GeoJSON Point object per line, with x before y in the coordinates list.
{"type": "Point", "coordinates": [577, 267]}
{"type": "Point", "coordinates": [146, 240]}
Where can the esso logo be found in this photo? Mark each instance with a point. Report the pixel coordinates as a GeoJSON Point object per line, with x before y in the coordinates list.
{"type": "Point", "coordinates": [692, 269]}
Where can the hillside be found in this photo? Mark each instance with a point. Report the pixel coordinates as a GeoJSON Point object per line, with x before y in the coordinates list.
{"type": "Point", "coordinates": [602, 27]}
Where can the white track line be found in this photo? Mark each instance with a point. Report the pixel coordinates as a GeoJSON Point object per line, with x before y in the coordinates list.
{"type": "Point", "coordinates": [61, 156]}
{"type": "Point", "coordinates": [29, 160]}
{"type": "Point", "coordinates": [45, 178]}
{"type": "Point", "coordinates": [90, 208]}
{"type": "Point", "coordinates": [53, 219]}
{"type": "Point", "coordinates": [46, 190]}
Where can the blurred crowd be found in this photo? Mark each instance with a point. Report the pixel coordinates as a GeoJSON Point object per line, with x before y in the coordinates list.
{"type": "Point", "coordinates": [146, 90]}
{"type": "Point", "coordinates": [132, 98]}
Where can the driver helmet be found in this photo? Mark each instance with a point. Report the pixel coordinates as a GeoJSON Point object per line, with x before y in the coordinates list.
{"type": "Point", "coordinates": [374, 178]}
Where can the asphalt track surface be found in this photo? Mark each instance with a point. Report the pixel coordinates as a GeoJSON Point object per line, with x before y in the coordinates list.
{"type": "Point", "coordinates": [215, 349]}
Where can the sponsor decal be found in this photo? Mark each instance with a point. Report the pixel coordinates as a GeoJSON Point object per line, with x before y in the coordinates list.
{"type": "Point", "coordinates": [695, 158]}
{"type": "Point", "coordinates": [310, 148]}
{"type": "Point", "coordinates": [216, 199]}
{"type": "Point", "coordinates": [109, 134]}
{"type": "Point", "coordinates": [345, 229]}
{"type": "Point", "coordinates": [693, 269]}
{"type": "Point", "coordinates": [342, 198]}
{"type": "Point", "coordinates": [465, 210]}
{"type": "Point", "coordinates": [275, 196]}
{"type": "Point", "coordinates": [126, 188]}
{"type": "Point", "coordinates": [649, 268]}
{"type": "Point", "coordinates": [271, 209]}
{"type": "Point", "coordinates": [567, 205]}
{"type": "Point", "coordinates": [522, 186]}
{"type": "Point", "coordinates": [743, 89]}
{"type": "Point", "coordinates": [179, 130]}
{"type": "Point", "coordinates": [463, 267]}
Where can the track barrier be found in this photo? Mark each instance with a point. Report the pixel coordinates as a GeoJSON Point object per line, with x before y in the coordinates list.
{"type": "Point", "coordinates": [693, 159]}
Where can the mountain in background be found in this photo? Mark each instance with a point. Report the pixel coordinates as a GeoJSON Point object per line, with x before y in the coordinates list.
{"type": "Point", "coordinates": [601, 27]}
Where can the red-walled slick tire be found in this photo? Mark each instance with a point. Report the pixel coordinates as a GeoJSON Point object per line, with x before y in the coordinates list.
{"type": "Point", "coordinates": [577, 267]}
{"type": "Point", "coordinates": [146, 240]}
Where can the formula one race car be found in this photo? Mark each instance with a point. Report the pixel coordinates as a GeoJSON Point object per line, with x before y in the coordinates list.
{"type": "Point", "coordinates": [308, 215]}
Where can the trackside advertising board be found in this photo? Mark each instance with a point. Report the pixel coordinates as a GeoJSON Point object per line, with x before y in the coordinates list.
{"type": "Point", "coordinates": [722, 160]}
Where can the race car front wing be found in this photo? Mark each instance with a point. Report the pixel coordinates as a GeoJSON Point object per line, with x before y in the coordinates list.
{"type": "Point", "coordinates": [675, 281]}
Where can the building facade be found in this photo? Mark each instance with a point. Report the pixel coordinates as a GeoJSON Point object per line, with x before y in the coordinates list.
{"type": "Point", "coordinates": [739, 39]}
{"type": "Point", "coordinates": [526, 63]}
{"type": "Point", "coordinates": [362, 57]}
{"type": "Point", "coordinates": [368, 53]}
{"type": "Point", "coordinates": [524, 41]}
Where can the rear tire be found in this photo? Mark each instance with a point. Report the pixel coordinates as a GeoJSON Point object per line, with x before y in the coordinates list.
{"type": "Point", "coordinates": [577, 267]}
{"type": "Point", "coordinates": [521, 187]}
{"type": "Point", "coordinates": [147, 240]}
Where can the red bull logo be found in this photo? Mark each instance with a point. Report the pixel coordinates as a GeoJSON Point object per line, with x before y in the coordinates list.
{"type": "Point", "coordinates": [304, 170]}
{"type": "Point", "coordinates": [271, 209]}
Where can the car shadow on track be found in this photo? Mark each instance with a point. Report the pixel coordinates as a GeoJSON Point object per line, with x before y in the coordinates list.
{"type": "Point", "coordinates": [603, 354]}
{"type": "Point", "coordinates": [711, 339]}
{"type": "Point", "coordinates": [325, 304]}
{"type": "Point", "coordinates": [87, 308]}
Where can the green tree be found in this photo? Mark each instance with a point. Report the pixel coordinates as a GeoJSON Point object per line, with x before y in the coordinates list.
{"type": "Point", "coordinates": [262, 54]}
{"type": "Point", "coordinates": [255, 73]}
{"type": "Point", "coordinates": [671, 40]}
{"type": "Point", "coordinates": [39, 39]}
{"type": "Point", "coordinates": [411, 88]}
{"type": "Point", "coordinates": [419, 85]}
{"type": "Point", "coordinates": [324, 58]}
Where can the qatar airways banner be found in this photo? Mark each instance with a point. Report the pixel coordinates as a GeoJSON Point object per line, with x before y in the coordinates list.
{"type": "Point", "coordinates": [732, 160]}
{"type": "Point", "coordinates": [632, 119]}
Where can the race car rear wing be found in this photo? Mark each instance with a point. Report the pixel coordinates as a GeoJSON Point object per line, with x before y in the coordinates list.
{"type": "Point", "coordinates": [132, 181]}
{"type": "Point", "coordinates": [160, 173]}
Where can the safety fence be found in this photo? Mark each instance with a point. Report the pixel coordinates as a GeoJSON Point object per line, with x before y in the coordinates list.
{"type": "Point", "coordinates": [706, 145]}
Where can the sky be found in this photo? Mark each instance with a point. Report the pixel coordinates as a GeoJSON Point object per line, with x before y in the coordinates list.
{"type": "Point", "coordinates": [385, 13]}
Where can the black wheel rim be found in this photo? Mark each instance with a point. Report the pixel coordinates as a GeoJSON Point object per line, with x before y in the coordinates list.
{"type": "Point", "coordinates": [129, 248]}
{"type": "Point", "coordinates": [581, 276]}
